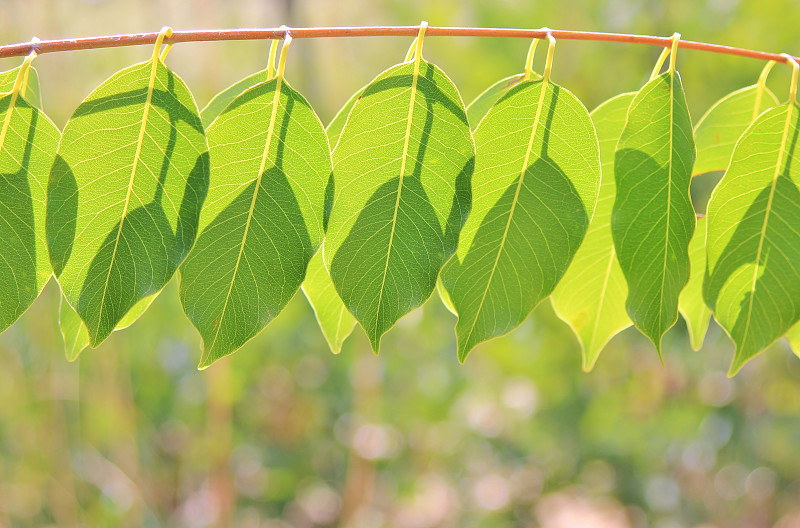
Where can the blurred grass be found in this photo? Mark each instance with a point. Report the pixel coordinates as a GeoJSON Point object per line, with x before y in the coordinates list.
{"type": "Point", "coordinates": [285, 434]}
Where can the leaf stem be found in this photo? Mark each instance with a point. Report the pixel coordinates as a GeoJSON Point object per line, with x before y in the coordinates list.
{"type": "Point", "coordinates": [548, 65]}
{"type": "Point", "coordinates": [206, 35]}
{"type": "Point", "coordinates": [529, 59]}
{"type": "Point", "coordinates": [676, 40]}
{"type": "Point", "coordinates": [795, 70]}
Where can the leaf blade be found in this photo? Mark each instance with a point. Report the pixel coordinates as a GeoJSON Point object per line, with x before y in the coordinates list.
{"type": "Point", "coordinates": [718, 130]}
{"type": "Point", "coordinates": [653, 218]}
{"type": "Point", "coordinates": [594, 305]}
{"type": "Point", "coordinates": [125, 193]}
{"type": "Point", "coordinates": [691, 304]}
{"type": "Point", "coordinates": [28, 143]}
{"type": "Point", "coordinates": [534, 115]}
{"type": "Point", "coordinates": [263, 220]}
{"type": "Point", "coordinates": [753, 269]}
{"type": "Point", "coordinates": [406, 115]}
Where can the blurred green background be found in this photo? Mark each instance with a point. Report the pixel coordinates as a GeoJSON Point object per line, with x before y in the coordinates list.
{"type": "Point", "coordinates": [284, 434]}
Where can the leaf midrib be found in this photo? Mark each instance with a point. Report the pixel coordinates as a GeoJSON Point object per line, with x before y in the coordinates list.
{"type": "Point", "coordinates": [501, 246]}
{"type": "Point", "coordinates": [136, 158]}
{"type": "Point", "coordinates": [406, 141]}
{"type": "Point", "coordinates": [264, 157]}
{"type": "Point", "coordinates": [7, 120]}
{"type": "Point", "coordinates": [669, 201]}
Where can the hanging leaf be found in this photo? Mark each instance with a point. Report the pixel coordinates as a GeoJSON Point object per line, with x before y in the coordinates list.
{"type": "Point", "coordinates": [28, 143]}
{"type": "Point", "coordinates": [752, 283]}
{"type": "Point", "coordinates": [125, 193]}
{"type": "Point", "coordinates": [335, 320]}
{"type": "Point", "coordinates": [74, 332]}
{"type": "Point", "coordinates": [335, 127]}
{"type": "Point", "coordinates": [220, 101]}
{"type": "Point", "coordinates": [402, 166]}
{"type": "Point", "coordinates": [653, 219]}
{"type": "Point", "coordinates": [718, 130]}
{"type": "Point", "coordinates": [31, 92]}
{"type": "Point", "coordinates": [691, 304]}
{"type": "Point", "coordinates": [487, 99]}
{"type": "Point", "coordinates": [535, 188]}
{"type": "Point", "coordinates": [263, 219]}
{"type": "Point", "coordinates": [591, 295]}
{"type": "Point", "coordinates": [793, 337]}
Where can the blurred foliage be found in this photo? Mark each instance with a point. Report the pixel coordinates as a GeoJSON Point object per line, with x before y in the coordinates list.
{"type": "Point", "coordinates": [285, 434]}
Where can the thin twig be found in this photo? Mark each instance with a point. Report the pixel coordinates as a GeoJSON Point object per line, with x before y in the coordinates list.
{"type": "Point", "coordinates": [205, 35]}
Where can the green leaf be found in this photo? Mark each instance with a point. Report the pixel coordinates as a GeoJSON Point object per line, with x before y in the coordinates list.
{"type": "Point", "coordinates": [535, 188]}
{"type": "Point", "coordinates": [653, 219]}
{"type": "Point", "coordinates": [334, 318]}
{"type": "Point", "coordinates": [74, 332]}
{"type": "Point", "coordinates": [220, 101]}
{"type": "Point", "coordinates": [691, 304]}
{"type": "Point", "coordinates": [591, 295]}
{"type": "Point", "coordinates": [752, 281]}
{"type": "Point", "coordinates": [31, 93]}
{"type": "Point", "coordinates": [335, 127]}
{"type": "Point", "coordinates": [402, 167]}
{"type": "Point", "coordinates": [793, 337]}
{"type": "Point", "coordinates": [125, 193]}
{"type": "Point", "coordinates": [28, 144]}
{"type": "Point", "coordinates": [718, 130]}
{"type": "Point", "coordinates": [263, 219]}
{"type": "Point", "coordinates": [487, 99]}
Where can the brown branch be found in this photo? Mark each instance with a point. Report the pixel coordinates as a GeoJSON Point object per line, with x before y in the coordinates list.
{"type": "Point", "coordinates": [134, 39]}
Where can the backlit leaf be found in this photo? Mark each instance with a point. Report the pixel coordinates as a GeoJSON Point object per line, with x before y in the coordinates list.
{"type": "Point", "coordinates": [220, 101]}
{"type": "Point", "coordinates": [28, 144]}
{"type": "Point", "coordinates": [335, 127]}
{"type": "Point", "coordinates": [263, 218]}
{"type": "Point", "coordinates": [125, 193]}
{"type": "Point", "coordinates": [591, 295]}
{"type": "Point", "coordinates": [653, 220]}
{"type": "Point", "coordinates": [74, 332]}
{"type": "Point", "coordinates": [793, 337]}
{"type": "Point", "coordinates": [718, 130]}
{"type": "Point", "coordinates": [752, 282]}
{"type": "Point", "coordinates": [535, 188]}
{"type": "Point", "coordinates": [31, 93]}
{"type": "Point", "coordinates": [691, 304]}
{"type": "Point", "coordinates": [402, 169]}
{"type": "Point", "coordinates": [335, 320]}
{"type": "Point", "coordinates": [481, 104]}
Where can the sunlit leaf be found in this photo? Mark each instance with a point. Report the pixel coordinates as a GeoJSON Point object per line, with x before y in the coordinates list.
{"type": "Point", "coordinates": [28, 144]}
{"type": "Point", "coordinates": [481, 104]}
{"type": "Point", "coordinates": [718, 130]}
{"type": "Point", "coordinates": [753, 275]}
{"type": "Point", "coordinates": [31, 91]}
{"type": "Point", "coordinates": [793, 337]}
{"type": "Point", "coordinates": [335, 320]}
{"type": "Point", "coordinates": [335, 127]}
{"type": "Point", "coordinates": [591, 295]}
{"type": "Point", "coordinates": [653, 219]}
{"type": "Point", "coordinates": [220, 101]}
{"type": "Point", "coordinates": [125, 193]}
{"type": "Point", "coordinates": [263, 218]}
{"type": "Point", "coordinates": [535, 188]}
{"type": "Point", "coordinates": [402, 169]}
{"type": "Point", "coordinates": [691, 304]}
{"type": "Point", "coordinates": [74, 332]}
